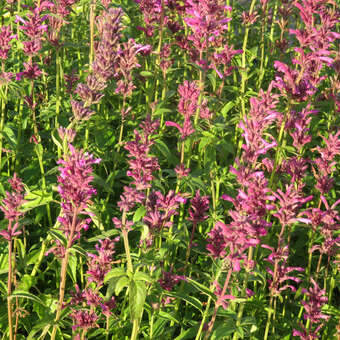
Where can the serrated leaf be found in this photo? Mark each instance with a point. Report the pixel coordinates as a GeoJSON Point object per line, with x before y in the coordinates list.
{"type": "Point", "coordinates": [10, 136]}
{"type": "Point", "coordinates": [212, 78]}
{"type": "Point", "coordinates": [78, 249]}
{"type": "Point", "coordinates": [139, 213]}
{"type": "Point", "coordinates": [35, 199]}
{"type": "Point", "coordinates": [58, 235]}
{"type": "Point", "coordinates": [167, 316]}
{"type": "Point", "coordinates": [137, 295]}
{"type": "Point", "coordinates": [226, 108]}
{"type": "Point", "coordinates": [116, 272]}
{"type": "Point", "coordinates": [141, 276]}
{"type": "Point", "coordinates": [203, 289]}
{"type": "Point", "coordinates": [121, 283]}
{"type": "Point", "coordinates": [146, 74]}
{"type": "Point", "coordinates": [103, 235]}
{"type": "Point", "coordinates": [72, 267]}
{"type": "Point", "coordinates": [187, 298]}
{"type": "Point", "coordinates": [188, 334]}
{"type": "Point", "coordinates": [223, 330]}
{"type": "Point", "coordinates": [27, 295]}
{"type": "Point", "coordinates": [26, 282]}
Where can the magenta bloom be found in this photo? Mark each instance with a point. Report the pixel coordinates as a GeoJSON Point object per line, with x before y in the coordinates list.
{"type": "Point", "coordinates": [199, 207]}
{"type": "Point", "coordinates": [6, 35]}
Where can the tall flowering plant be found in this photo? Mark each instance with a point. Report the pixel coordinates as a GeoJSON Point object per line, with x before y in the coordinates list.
{"type": "Point", "coordinates": [11, 208]}
{"type": "Point", "coordinates": [76, 191]}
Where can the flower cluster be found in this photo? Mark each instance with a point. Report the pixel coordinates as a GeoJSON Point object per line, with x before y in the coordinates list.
{"type": "Point", "coordinates": [11, 208]}
{"type": "Point", "coordinates": [103, 67]}
{"type": "Point", "coordinates": [6, 36]}
{"type": "Point", "coordinates": [76, 191]}
{"type": "Point", "coordinates": [98, 266]}
{"type": "Point", "coordinates": [315, 300]}
{"type": "Point", "coordinates": [187, 106]}
{"type": "Point", "coordinates": [280, 270]}
{"type": "Point", "coordinates": [34, 27]}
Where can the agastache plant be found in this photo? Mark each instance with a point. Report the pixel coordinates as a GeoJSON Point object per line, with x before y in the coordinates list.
{"type": "Point", "coordinates": [10, 207]}
{"type": "Point", "coordinates": [76, 191]}
{"type": "Point", "coordinates": [313, 314]}
{"type": "Point", "coordinates": [98, 266]}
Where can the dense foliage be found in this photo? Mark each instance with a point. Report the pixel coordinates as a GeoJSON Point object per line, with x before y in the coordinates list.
{"type": "Point", "coordinates": [169, 169]}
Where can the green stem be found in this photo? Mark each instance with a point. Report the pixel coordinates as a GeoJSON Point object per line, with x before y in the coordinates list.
{"type": "Point", "coordinates": [244, 77]}
{"type": "Point", "coordinates": [244, 289]}
{"type": "Point", "coordinates": [263, 28]}
{"type": "Point", "coordinates": [57, 87]}
{"type": "Point", "coordinates": [217, 304]}
{"type": "Point", "coordinates": [206, 311]}
{"type": "Point", "coordinates": [9, 287]}
{"type": "Point", "coordinates": [39, 153]}
{"type": "Point", "coordinates": [2, 122]}
{"type": "Point", "coordinates": [270, 311]}
{"type": "Point", "coordinates": [63, 273]}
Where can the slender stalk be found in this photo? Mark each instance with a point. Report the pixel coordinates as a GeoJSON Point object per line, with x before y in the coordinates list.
{"type": "Point", "coordinates": [206, 311]}
{"type": "Point", "coordinates": [244, 77]}
{"type": "Point", "coordinates": [2, 122]}
{"type": "Point", "coordinates": [187, 255]}
{"type": "Point", "coordinates": [57, 89]}
{"type": "Point", "coordinates": [217, 304]}
{"type": "Point", "coordinates": [244, 288]}
{"type": "Point", "coordinates": [202, 75]}
{"type": "Point", "coordinates": [9, 287]}
{"type": "Point", "coordinates": [127, 250]}
{"type": "Point", "coordinates": [160, 40]}
{"type": "Point", "coordinates": [270, 311]}
{"type": "Point", "coordinates": [263, 28]}
{"type": "Point", "coordinates": [64, 272]}
{"type": "Point", "coordinates": [39, 152]}
{"type": "Point", "coordinates": [92, 15]}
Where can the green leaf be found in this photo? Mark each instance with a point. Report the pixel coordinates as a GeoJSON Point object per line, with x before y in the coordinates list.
{"type": "Point", "coordinates": [204, 142]}
{"type": "Point", "coordinates": [26, 282]}
{"type": "Point", "coordinates": [27, 295]}
{"type": "Point", "coordinates": [58, 235]}
{"type": "Point", "coordinates": [188, 334]}
{"type": "Point", "coordinates": [212, 78]}
{"type": "Point", "coordinates": [226, 108]}
{"type": "Point", "coordinates": [72, 267]}
{"type": "Point", "coordinates": [167, 316]}
{"type": "Point", "coordinates": [187, 298]}
{"type": "Point", "coordinates": [35, 199]}
{"type": "Point", "coordinates": [163, 148]}
{"type": "Point", "coordinates": [141, 276]}
{"type": "Point", "coordinates": [116, 272]}
{"type": "Point", "coordinates": [103, 235]}
{"type": "Point", "coordinates": [121, 283]}
{"type": "Point", "coordinates": [137, 295]}
{"type": "Point", "coordinates": [223, 329]}
{"type": "Point", "coordinates": [78, 249]}
{"type": "Point", "coordinates": [146, 74]}
{"type": "Point", "coordinates": [203, 289]}
{"type": "Point", "coordinates": [139, 213]}
{"type": "Point", "coordinates": [10, 136]}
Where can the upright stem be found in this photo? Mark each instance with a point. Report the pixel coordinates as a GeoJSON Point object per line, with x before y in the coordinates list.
{"type": "Point", "coordinates": [9, 288]}
{"type": "Point", "coordinates": [269, 317]}
{"type": "Point", "coordinates": [244, 288]}
{"type": "Point", "coordinates": [217, 304]}
{"type": "Point", "coordinates": [187, 255]}
{"type": "Point", "coordinates": [244, 77]}
{"type": "Point", "coordinates": [64, 272]}
{"type": "Point", "coordinates": [92, 14]}
{"type": "Point", "coordinates": [263, 28]}
{"type": "Point", "coordinates": [57, 88]}
{"type": "Point", "coordinates": [2, 122]}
